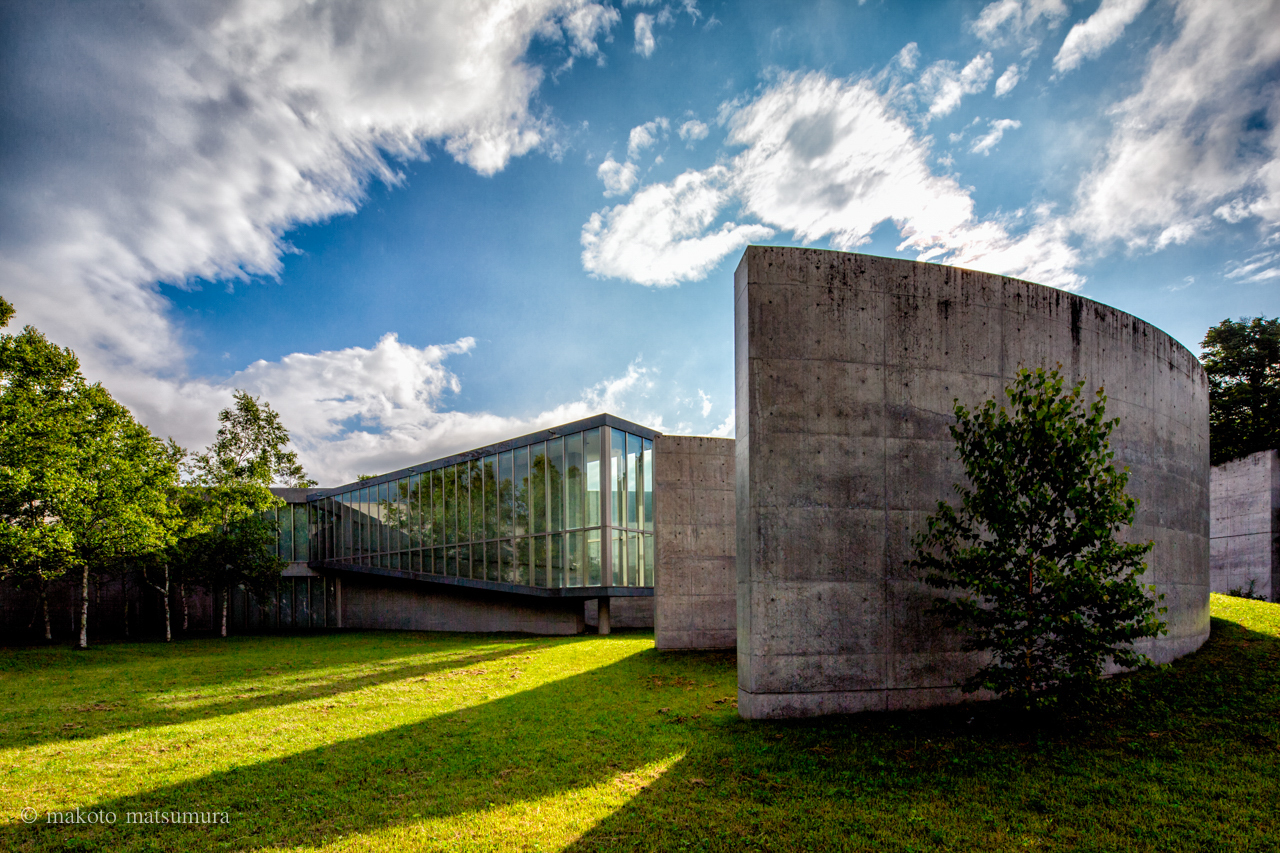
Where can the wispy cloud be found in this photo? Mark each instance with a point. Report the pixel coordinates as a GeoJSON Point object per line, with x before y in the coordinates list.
{"type": "Point", "coordinates": [1089, 38]}
{"type": "Point", "coordinates": [989, 140]}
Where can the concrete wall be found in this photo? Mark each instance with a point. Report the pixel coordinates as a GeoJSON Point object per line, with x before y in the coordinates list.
{"type": "Point", "coordinates": [846, 368]}
{"type": "Point", "coordinates": [624, 612]}
{"type": "Point", "coordinates": [1244, 497]}
{"type": "Point", "coordinates": [386, 604]}
{"type": "Point", "coordinates": [694, 594]}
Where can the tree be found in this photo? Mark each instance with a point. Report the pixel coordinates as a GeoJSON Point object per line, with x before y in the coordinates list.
{"type": "Point", "coordinates": [234, 477]}
{"type": "Point", "coordinates": [1242, 360]}
{"type": "Point", "coordinates": [1042, 582]}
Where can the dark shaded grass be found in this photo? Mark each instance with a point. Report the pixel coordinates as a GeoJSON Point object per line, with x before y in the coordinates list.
{"type": "Point", "coordinates": [1189, 759]}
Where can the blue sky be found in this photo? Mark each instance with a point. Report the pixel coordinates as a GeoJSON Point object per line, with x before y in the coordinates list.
{"type": "Point", "coordinates": [417, 227]}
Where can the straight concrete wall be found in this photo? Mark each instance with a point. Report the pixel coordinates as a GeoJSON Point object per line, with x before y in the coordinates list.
{"type": "Point", "coordinates": [846, 371]}
{"type": "Point", "coordinates": [386, 604]}
{"type": "Point", "coordinates": [694, 595]}
{"type": "Point", "coordinates": [1244, 510]}
{"type": "Point", "coordinates": [624, 612]}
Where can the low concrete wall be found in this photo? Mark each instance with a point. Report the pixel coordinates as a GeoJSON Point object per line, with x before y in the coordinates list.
{"type": "Point", "coordinates": [846, 369]}
{"type": "Point", "coordinates": [694, 594]}
{"type": "Point", "coordinates": [1244, 511]}
{"type": "Point", "coordinates": [386, 604]}
{"type": "Point", "coordinates": [624, 612]}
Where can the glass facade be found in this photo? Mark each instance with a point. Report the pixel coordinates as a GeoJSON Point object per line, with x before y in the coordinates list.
{"type": "Point", "coordinates": [556, 510]}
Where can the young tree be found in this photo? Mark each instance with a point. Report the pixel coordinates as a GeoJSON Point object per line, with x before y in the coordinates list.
{"type": "Point", "coordinates": [1043, 584]}
{"type": "Point", "coordinates": [234, 477]}
{"type": "Point", "coordinates": [1242, 360]}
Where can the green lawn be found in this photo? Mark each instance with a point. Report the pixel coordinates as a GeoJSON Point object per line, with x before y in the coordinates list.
{"type": "Point", "coordinates": [404, 742]}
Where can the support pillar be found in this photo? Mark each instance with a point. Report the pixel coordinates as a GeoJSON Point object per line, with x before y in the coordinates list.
{"type": "Point", "coordinates": [603, 615]}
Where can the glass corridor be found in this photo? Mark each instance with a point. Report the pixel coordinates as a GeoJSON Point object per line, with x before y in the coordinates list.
{"type": "Point", "coordinates": [568, 507]}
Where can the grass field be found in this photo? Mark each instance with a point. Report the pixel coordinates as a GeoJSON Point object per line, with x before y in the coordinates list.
{"type": "Point", "coordinates": [404, 742]}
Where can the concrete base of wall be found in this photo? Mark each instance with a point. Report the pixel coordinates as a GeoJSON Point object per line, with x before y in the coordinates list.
{"type": "Point", "coordinates": [1244, 518]}
{"type": "Point", "coordinates": [623, 613]}
{"type": "Point", "coordinates": [382, 604]}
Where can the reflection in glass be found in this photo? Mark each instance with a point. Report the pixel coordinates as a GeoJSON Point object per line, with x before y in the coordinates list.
{"type": "Point", "coordinates": [450, 513]}
{"type": "Point", "coordinates": [475, 479]}
{"type": "Point", "coordinates": [575, 482]}
{"type": "Point", "coordinates": [557, 560]}
{"type": "Point", "coordinates": [506, 501]}
{"type": "Point", "coordinates": [491, 497]}
{"type": "Point", "coordinates": [538, 488]}
{"type": "Point", "coordinates": [521, 491]}
{"type": "Point", "coordinates": [591, 441]}
{"type": "Point", "coordinates": [540, 568]}
{"type": "Point", "coordinates": [646, 506]}
{"type": "Point", "coordinates": [619, 558]}
{"type": "Point", "coordinates": [618, 476]}
{"type": "Point", "coordinates": [492, 562]}
{"type": "Point", "coordinates": [507, 556]}
{"type": "Point", "coordinates": [555, 484]}
{"type": "Point", "coordinates": [595, 564]}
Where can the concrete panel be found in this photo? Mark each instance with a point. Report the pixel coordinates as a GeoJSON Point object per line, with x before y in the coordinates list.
{"type": "Point", "coordinates": [695, 535]}
{"type": "Point", "coordinates": [1244, 525]}
{"type": "Point", "coordinates": [836, 476]}
{"type": "Point", "coordinates": [383, 604]}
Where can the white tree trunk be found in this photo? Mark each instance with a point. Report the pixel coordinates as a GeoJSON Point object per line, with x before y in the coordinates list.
{"type": "Point", "coordinates": [84, 607]}
{"type": "Point", "coordinates": [226, 596]}
{"type": "Point", "coordinates": [164, 591]}
{"type": "Point", "coordinates": [44, 606]}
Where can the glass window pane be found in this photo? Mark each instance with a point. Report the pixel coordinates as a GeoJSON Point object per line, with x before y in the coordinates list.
{"type": "Point", "coordinates": [524, 557]}
{"type": "Point", "coordinates": [492, 562]}
{"type": "Point", "coordinates": [415, 511]}
{"type": "Point", "coordinates": [557, 560]}
{"type": "Point", "coordinates": [619, 559]}
{"type": "Point", "coordinates": [450, 513]}
{"type": "Point", "coordinates": [575, 482]}
{"type": "Point", "coordinates": [618, 476]}
{"type": "Point", "coordinates": [386, 518]}
{"type": "Point", "coordinates": [576, 558]}
{"type": "Point", "coordinates": [476, 478]}
{"type": "Point", "coordinates": [521, 491]}
{"type": "Point", "coordinates": [437, 560]}
{"type": "Point", "coordinates": [591, 441]}
{"type": "Point", "coordinates": [646, 559]}
{"type": "Point", "coordinates": [634, 488]}
{"type": "Point", "coordinates": [595, 563]}
{"type": "Point", "coordinates": [538, 488]}
{"type": "Point", "coordinates": [491, 497]}
{"type": "Point", "coordinates": [646, 505]}
{"type": "Point", "coordinates": [402, 523]}
{"type": "Point", "coordinates": [506, 491]}
{"type": "Point", "coordinates": [555, 483]}
{"type": "Point", "coordinates": [283, 518]}
{"type": "Point", "coordinates": [415, 561]}
{"type": "Point", "coordinates": [507, 555]}
{"type": "Point", "coordinates": [633, 559]}
{"type": "Point", "coordinates": [463, 473]}
{"type": "Point", "coordinates": [540, 567]}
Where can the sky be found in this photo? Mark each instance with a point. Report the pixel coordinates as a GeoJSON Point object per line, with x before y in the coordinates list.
{"type": "Point", "coordinates": [415, 228]}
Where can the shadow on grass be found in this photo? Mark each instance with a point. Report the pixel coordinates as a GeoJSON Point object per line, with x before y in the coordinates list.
{"type": "Point", "coordinates": [564, 735]}
{"type": "Point", "coordinates": [84, 717]}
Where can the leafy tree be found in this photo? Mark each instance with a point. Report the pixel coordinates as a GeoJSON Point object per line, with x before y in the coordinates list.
{"type": "Point", "coordinates": [234, 477]}
{"type": "Point", "coordinates": [1042, 583]}
{"type": "Point", "coordinates": [40, 391]}
{"type": "Point", "coordinates": [1242, 360]}
{"type": "Point", "coordinates": [82, 484]}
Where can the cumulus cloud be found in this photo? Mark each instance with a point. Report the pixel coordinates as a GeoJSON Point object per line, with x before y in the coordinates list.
{"type": "Point", "coordinates": [1089, 38]}
{"type": "Point", "coordinates": [618, 178]}
{"type": "Point", "coordinates": [943, 84]}
{"type": "Point", "coordinates": [645, 135]}
{"type": "Point", "coordinates": [908, 57]}
{"type": "Point", "coordinates": [983, 144]}
{"type": "Point", "coordinates": [1007, 80]}
{"type": "Point", "coordinates": [705, 400]}
{"type": "Point", "coordinates": [664, 235]}
{"type": "Point", "coordinates": [692, 131]}
{"type": "Point", "coordinates": [645, 42]}
{"type": "Point", "coordinates": [1020, 22]}
{"type": "Point", "coordinates": [1199, 138]}
{"type": "Point", "coordinates": [360, 410]}
{"type": "Point", "coordinates": [823, 158]}
{"type": "Point", "coordinates": [181, 141]}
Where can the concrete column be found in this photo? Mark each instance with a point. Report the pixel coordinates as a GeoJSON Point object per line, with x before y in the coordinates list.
{"type": "Point", "coordinates": [337, 594]}
{"type": "Point", "coordinates": [603, 615]}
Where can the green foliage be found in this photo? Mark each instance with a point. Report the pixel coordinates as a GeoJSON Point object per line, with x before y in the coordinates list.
{"type": "Point", "coordinates": [1242, 360]}
{"type": "Point", "coordinates": [83, 486]}
{"type": "Point", "coordinates": [1042, 583]}
{"type": "Point", "coordinates": [1247, 592]}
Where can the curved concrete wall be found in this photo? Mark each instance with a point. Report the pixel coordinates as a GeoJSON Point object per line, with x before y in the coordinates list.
{"type": "Point", "coordinates": [846, 369]}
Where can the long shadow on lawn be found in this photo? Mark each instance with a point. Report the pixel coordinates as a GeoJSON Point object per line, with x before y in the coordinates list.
{"type": "Point", "coordinates": [80, 720]}
{"type": "Point", "coordinates": [563, 735]}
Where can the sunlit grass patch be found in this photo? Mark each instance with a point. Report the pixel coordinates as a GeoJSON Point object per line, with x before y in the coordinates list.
{"type": "Point", "coordinates": [399, 742]}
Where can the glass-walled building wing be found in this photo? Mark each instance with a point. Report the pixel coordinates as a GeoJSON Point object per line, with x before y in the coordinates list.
{"type": "Point", "coordinates": [564, 508]}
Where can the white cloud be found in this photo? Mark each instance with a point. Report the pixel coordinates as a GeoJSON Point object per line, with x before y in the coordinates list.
{"type": "Point", "coordinates": [1264, 266]}
{"type": "Point", "coordinates": [942, 84]}
{"type": "Point", "coordinates": [822, 158]}
{"type": "Point", "coordinates": [1089, 38]}
{"type": "Point", "coordinates": [618, 178]}
{"type": "Point", "coordinates": [1199, 138]}
{"type": "Point", "coordinates": [191, 138]}
{"type": "Point", "coordinates": [692, 131]}
{"type": "Point", "coordinates": [983, 144]}
{"type": "Point", "coordinates": [1020, 22]}
{"type": "Point", "coordinates": [706, 402]}
{"type": "Point", "coordinates": [908, 57]}
{"type": "Point", "coordinates": [645, 135]}
{"type": "Point", "coordinates": [664, 234]}
{"type": "Point", "coordinates": [645, 41]}
{"type": "Point", "coordinates": [728, 428]}
{"type": "Point", "coordinates": [1007, 80]}
{"type": "Point", "coordinates": [360, 411]}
